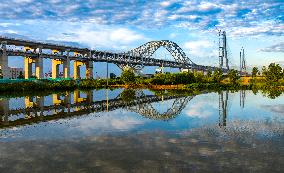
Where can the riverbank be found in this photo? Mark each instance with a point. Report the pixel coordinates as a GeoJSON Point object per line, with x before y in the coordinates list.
{"type": "Point", "coordinates": [43, 87]}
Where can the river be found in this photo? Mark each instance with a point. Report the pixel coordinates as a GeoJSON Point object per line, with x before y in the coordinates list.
{"type": "Point", "coordinates": [139, 131]}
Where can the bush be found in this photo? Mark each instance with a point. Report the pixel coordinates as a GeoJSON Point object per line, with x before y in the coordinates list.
{"type": "Point", "coordinates": [128, 76]}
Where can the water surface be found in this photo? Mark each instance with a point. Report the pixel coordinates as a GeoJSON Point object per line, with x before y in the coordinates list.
{"type": "Point", "coordinates": [127, 131]}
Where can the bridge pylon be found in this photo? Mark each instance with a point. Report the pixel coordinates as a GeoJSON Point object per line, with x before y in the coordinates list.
{"type": "Point", "coordinates": [223, 52]}
{"type": "Point", "coordinates": [223, 108]}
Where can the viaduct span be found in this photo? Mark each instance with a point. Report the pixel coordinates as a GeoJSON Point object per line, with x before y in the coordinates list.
{"type": "Point", "coordinates": [34, 53]}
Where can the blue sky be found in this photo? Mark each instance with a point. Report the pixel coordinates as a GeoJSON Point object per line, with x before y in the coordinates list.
{"type": "Point", "coordinates": [120, 25]}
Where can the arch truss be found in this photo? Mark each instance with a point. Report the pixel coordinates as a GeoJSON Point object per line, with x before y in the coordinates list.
{"type": "Point", "coordinates": [146, 51]}
{"type": "Point", "coordinates": [147, 110]}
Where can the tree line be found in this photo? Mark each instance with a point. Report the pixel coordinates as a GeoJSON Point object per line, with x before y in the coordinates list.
{"type": "Point", "coordinates": [272, 73]}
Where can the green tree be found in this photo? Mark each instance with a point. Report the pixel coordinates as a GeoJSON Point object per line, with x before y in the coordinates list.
{"type": "Point", "coordinates": [128, 76]}
{"type": "Point", "coordinates": [209, 75]}
{"type": "Point", "coordinates": [112, 75]}
{"type": "Point", "coordinates": [128, 95]}
{"type": "Point", "coordinates": [263, 71]}
{"type": "Point", "coordinates": [254, 72]}
{"type": "Point", "coordinates": [217, 75]}
{"type": "Point", "coordinates": [233, 75]}
{"type": "Point", "coordinates": [273, 73]}
{"type": "Point", "coordinates": [199, 77]}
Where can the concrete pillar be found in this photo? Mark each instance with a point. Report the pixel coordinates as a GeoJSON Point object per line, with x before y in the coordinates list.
{"type": "Point", "coordinates": [77, 97]}
{"type": "Point", "coordinates": [66, 66]}
{"type": "Point", "coordinates": [28, 67]}
{"type": "Point", "coordinates": [76, 69]}
{"type": "Point", "coordinates": [39, 65]}
{"type": "Point", "coordinates": [89, 69]}
{"type": "Point", "coordinates": [67, 98]}
{"type": "Point", "coordinates": [55, 68]}
{"type": "Point", "coordinates": [56, 99]}
{"type": "Point", "coordinates": [67, 101]}
{"type": "Point", "coordinates": [40, 104]}
{"type": "Point", "coordinates": [29, 102]}
{"type": "Point", "coordinates": [28, 61]}
{"type": "Point", "coordinates": [4, 61]}
{"type": "Point", "coordinates": [90, 96]}
{"type": "Point", "coordinates": [4, 110]}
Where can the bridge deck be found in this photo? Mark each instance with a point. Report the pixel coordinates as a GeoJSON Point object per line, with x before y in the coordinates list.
{"type": "Point", "coordinates": [95, 55]}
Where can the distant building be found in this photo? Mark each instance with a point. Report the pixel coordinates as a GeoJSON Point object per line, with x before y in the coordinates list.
{"type": "Point", "coordinates": [147, 75]}
{"type": "Point", "coordinates": [14, 72]}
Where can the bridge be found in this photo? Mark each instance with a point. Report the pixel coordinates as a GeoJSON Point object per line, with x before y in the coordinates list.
{"type": "Point", "coordinates": [63, 107]}
{"type": "Point", "coordinates": [34, 52]}
{"type": "Point", "coordinates": [36, 111]}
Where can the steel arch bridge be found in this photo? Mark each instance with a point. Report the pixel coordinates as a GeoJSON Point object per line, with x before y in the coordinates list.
{"type": "Point", "coordinates": [147, 110]}
{"type": "Point", "coordinates": [146, 51]}
{"type": "Point", "coordinates": [136, 58]}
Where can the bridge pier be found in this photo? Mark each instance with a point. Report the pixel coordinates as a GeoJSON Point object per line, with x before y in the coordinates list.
{"type": "Point", "coordinates": [77, 65]}
{"type": "Point", "coordinates": [29, 102]}
{"type": "Point", "coordinates": [57, 62]}
{"type": "Point", "coordinates": [39, 65]}
{"type": "Point", "coordinates": [4, 110]}
{"type": "Point", "coordinates": [28, 67]}
{"type": "Point", "coordinates": [56, 99]}
{"type": "Point", "coordinates": [77, 97]}
{"type": "Point", "coordinates": [90, 96]}
{"type": "Point", "coordinates": [89, 69]}
{"type": "Point", "coordinates": [66, 66]}
{"type": "Point", "coordinates": [55, 68]}
{"type": "Point", "coordinates": [4, 60]}
{"type": "Point", "coordinates": [28, 61]}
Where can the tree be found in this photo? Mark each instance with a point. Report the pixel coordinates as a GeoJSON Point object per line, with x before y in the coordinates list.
{"type": "Point", "coordinates": [254, 72]}
{"type": "Point", "coordinates": [209, 76]}
{"type": "Point", "coordinates": [128, 76]}
{"type": "Point", "coordinates": [217, 75]}
{"type": "Point", "coordinates": [233, 75]}
{"type": "Point", "coordinates": [273, 73]}
{"type": "Point", "coordinates": [112, 75]}
{"type": "Point", "coordinates": [128, 95]}
{"type": "Point", "coordinates": [199, 77]}
{"type": "Point", "coordinates": [263, 71]}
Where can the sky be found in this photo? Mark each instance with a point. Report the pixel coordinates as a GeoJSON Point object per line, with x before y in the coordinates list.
{"type": "Point", "coordinates": [121, 25]}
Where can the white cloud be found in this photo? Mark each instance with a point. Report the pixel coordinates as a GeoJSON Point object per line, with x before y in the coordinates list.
{"type": "Point", "coordinates": [205, 6]}
{"type": "Point", "coordinates": [101, 37]}
{"type": "Point", "coordinates": [22, 1]}
{"type": "Point", "coordinates": [6, 24]}
{"type": "Point", "coordinates": [202, 106]}
{"type": "Point", "coordinates": [125, 35]}
{"type": "Point", "coordinates": [195, 47]}
{"type": "Point", "coordinates": [109, 121]}
{"type": "Point", "coordinates": [279, 47]}
{"type": "Point", "coordinates": [197, 110]}
{"type": "Point", "coordinates": [165, 3]}
{"type": "Point", "coordinates": [9, 31]}
{"type": "Point", "coordinates": [266, 27]}
{"type": "Point", "coordinates": [154, 14]}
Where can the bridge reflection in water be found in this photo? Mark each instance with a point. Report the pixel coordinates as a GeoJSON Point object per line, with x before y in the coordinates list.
{"type": "Point", "coordinates": [79, 103]}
